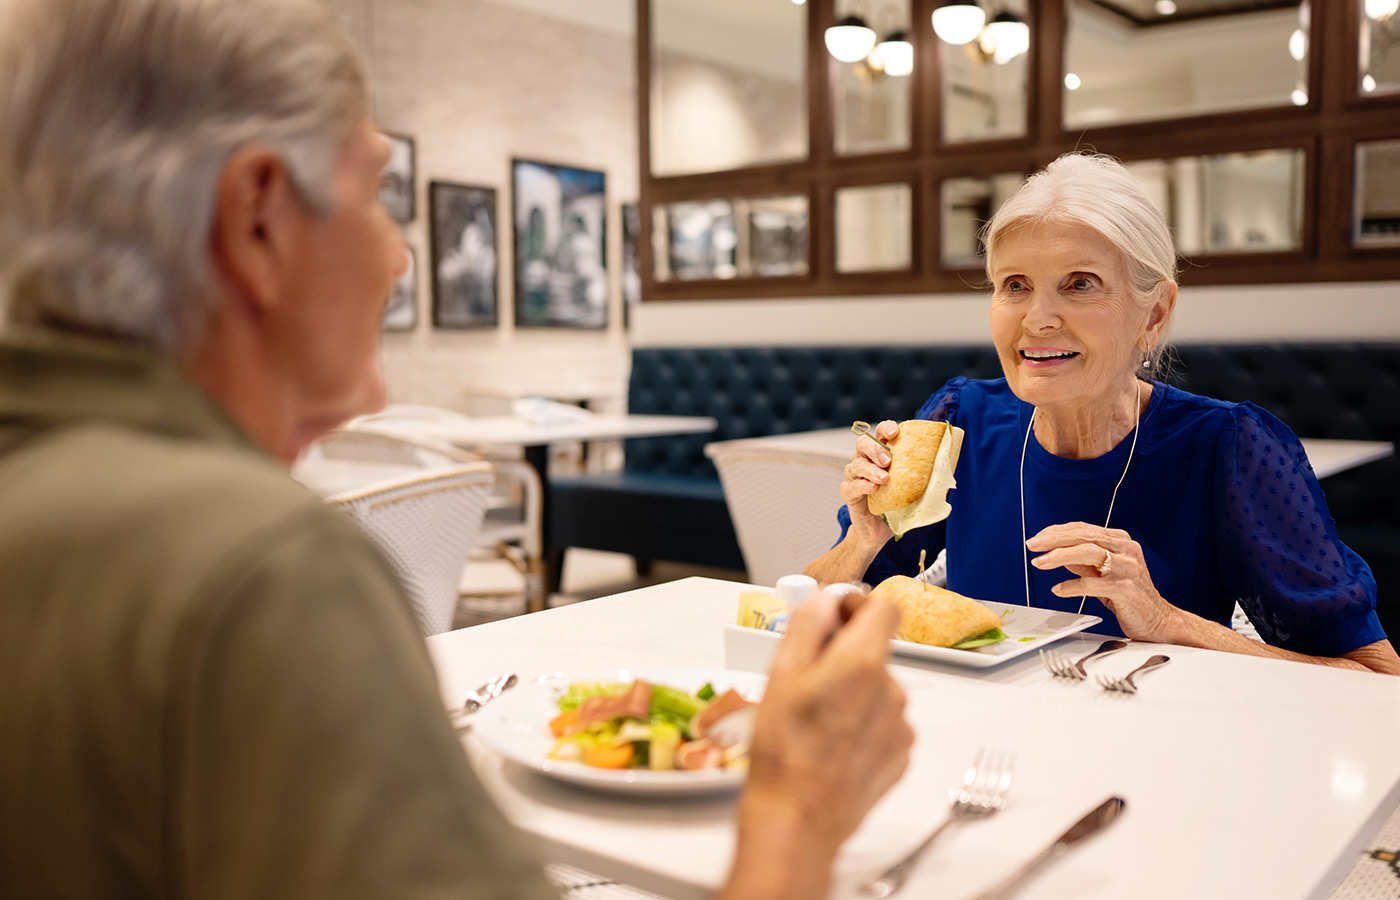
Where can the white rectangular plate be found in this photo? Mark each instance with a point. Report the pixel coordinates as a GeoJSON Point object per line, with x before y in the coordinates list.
{"type": "Point", "coordinates": [1028, 628]}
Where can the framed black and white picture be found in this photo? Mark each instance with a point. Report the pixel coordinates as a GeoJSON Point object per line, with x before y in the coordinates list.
{"type": "Point", "coordinates": [561, 267]}
{"type": "Point", "coordinates": [396, 182]}
{"type": "Point", "coordinates": [631, 265]}
{"type": "Point", "coordinates": [463, 219]}
{"type": "Point", "coordinates": [402, 312]}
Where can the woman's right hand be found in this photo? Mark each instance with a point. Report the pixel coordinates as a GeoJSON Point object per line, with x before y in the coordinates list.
{"type": "Point", "coordinates": [867, 470]}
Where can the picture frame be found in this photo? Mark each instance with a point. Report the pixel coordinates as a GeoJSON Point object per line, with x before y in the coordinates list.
{"type": "Point", "coordinates": [559, 217]}
{"type": "Point", "coordinates": [397, 183]}
{"type": "Point", "coordinates": [463, 226]}
{"type": "Point", "coordinates": [401, 314]}
{"type": "Point", "coordinates": [631, 264]}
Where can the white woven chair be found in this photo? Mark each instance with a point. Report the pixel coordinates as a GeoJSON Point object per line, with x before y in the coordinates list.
{"type": "Point", "coordinates": [783, 503]}
{"type": "Point", "coordinates": [425, 523]}
{"type": "Point", "coordinates": [514, 525]}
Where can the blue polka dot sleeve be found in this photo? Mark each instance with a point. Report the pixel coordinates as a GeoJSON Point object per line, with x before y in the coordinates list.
{"type": "Point", "coordinates": [1303, 589]}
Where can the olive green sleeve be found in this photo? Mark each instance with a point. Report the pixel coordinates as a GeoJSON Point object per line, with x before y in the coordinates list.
{"type": "Point", "coordinates": [311, 754]}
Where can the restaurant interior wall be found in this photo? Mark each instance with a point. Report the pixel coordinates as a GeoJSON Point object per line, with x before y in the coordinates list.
{"type": "Point", "coordinates": [477, 82]}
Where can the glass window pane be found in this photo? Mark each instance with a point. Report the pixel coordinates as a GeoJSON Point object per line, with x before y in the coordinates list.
{"type": "Point", "coordinates": [984, 81]}
{"type": "Point", "coordinates": [734, 238]}
{"type": "Point", "coordinates": [871, 95]}
{"type": "Point", "coordinates": [967, 204]}
{"type": "Point", "coordinates": [1127, 62]}
{"type": "Point", "coordinates": [1377, 207]}
{"type": "Point", "coordinates": [728, 85]}
{"type": "Point", "coordinates": [874, 228]}
{"type": "Point", "coordinates": [1380, 46]}
{"type": "Point", "coordinates": [1230, 203]}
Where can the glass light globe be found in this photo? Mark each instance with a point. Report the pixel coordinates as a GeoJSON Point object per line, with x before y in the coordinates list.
{"type": "Point", "coordinates": [1297, 45]}
{"type": "Point", "coordinates": [1072, 81]}
{"type": "Point", "coordinates": [1368, 84]}
{"type": "Point", "coordinates": [958, 23]}
{"type": "Point", "coordinates": [1382, 9]}
{"type": "Point", "coordinates": [1165, 7]}
{"type": "Point", "coordinates": [1011, 38]}
{"type": "Point", "coordinates": [850, 40]}
{"type": "Point", "coordinates": [898, 54]}
{"type": "Point", "coordinates": [1299, 97]}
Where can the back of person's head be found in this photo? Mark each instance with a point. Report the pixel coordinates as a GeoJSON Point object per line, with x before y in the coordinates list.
{"type": "Point", "coordinates": [1097, 192]}
{"type": "Point", "coordinates": [116, 120]}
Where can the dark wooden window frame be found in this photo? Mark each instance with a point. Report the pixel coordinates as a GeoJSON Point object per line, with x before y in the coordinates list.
{"type": "Point", "coordinates": [1328, 128]}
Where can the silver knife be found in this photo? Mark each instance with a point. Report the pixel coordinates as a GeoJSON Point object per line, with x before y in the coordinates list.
{"type": "Point", "coordinates": [1103, 814]}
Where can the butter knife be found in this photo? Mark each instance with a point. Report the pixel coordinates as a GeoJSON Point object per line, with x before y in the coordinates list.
{"type": "Point", "coordinates": [1103, 814]}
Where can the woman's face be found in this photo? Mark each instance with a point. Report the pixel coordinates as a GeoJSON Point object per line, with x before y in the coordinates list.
{"type": "Point", "coordinates": [1064, 322]}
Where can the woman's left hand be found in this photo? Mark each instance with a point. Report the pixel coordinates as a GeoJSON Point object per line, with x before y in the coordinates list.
{"type": "Point", "coordinates": [1111, 567]}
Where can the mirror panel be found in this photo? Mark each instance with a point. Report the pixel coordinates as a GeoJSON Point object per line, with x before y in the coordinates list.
{"type": "Point", "coordinates": [874, 228]}
{"type": "Point", "coordinates": [1380, 47]}
{"type": "Point", "coordinates": [870, 97]}
{"type": "Point", "coordinates": [1229, 203]}
{"type": "Point", "coordinates": [966, 205]}
{"type": "Point", "coordinates": [985, 86]}
{"type": "Point", "coordinates": [1376, 212]}
{"type": "Point", "coordinates": [735, 238]}
{"type": "Point", "coordinates": [1125, 61]}
{"type": "Point", "coordinates": [728, 85]}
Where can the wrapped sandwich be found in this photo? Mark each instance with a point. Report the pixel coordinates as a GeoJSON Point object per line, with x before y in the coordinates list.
{"type": "Point", "coordinates": [937, 616]}
{"type": "Point", "coordinates": [922, 459]}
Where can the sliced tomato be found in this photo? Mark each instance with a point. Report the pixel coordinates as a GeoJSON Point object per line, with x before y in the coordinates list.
{"type": "Point", "coordinates": [609, 757]}
{"type": "Point", "coordinates": [560, 723]}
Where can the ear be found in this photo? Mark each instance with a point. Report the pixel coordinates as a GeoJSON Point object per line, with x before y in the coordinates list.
{"type": "Point", "coordinates": [257, 220]}
{"type": "Point", "coordinates": [1158, 315]}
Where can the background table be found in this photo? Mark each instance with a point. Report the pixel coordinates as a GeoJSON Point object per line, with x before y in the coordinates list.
{"type": "Point", "coordinates": [1328, 457]}
{"type": "Point", "coordinates": [1244, 777]}
{"type": "Point", "coordinates": [488, 434]}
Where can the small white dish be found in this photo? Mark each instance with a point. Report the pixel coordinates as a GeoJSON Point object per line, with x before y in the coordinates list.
{"type": "Point", "coordinates": [516, 726]}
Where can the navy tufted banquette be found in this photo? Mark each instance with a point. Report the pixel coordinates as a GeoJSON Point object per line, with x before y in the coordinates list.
{"type": "Point", "coordinates": [667, 502]}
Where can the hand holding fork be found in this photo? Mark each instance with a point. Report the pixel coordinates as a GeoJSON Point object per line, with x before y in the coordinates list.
{"type": "Point", "coordinates": [982, 793]}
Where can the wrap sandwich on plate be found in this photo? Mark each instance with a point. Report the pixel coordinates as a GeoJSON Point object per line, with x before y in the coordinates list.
{"type": "Point", "coordinates": [922, 459]}
{"type": "Point", "coordinates": [937, 616]}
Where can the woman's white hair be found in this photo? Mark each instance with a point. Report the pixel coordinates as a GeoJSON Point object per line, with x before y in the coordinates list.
{"type": "Point", "coordinates": [116, 120]}
{"type": "Point", "coordinates": [1097, 192]}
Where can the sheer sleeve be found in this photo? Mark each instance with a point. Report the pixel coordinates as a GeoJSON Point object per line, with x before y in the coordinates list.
{"type": "Point", "coordinates": [901, 557]}
{"type": "Point", "coordinates": [1280, 556]}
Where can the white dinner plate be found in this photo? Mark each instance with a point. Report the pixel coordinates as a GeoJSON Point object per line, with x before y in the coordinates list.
{"type": "Point", "coordinates": [1028, 628]}
{"type": "Point", "coordinates": [516, 726]}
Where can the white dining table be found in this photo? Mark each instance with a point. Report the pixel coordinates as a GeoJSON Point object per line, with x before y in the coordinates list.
{"type": "Point", "coordinates": [1243, 777]}
{"type": "Point", "coordinates": [1328, 456]}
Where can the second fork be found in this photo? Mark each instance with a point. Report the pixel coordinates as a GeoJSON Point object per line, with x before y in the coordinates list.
{"type": "Point", "coordinates": [982, 792]}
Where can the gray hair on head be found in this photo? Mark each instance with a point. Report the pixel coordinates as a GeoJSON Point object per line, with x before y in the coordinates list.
{"type": "Point", "coordinates": [1097, 192]}
{"type": "Point", "coordinates": [117, 118]}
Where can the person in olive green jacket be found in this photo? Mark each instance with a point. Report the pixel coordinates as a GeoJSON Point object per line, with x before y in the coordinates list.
{"type": "Point", "coordinates": [210, 683]}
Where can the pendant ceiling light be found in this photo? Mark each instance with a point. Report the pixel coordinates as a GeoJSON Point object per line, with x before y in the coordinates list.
{"type": "Point", "coordinates": [958, 21]}
{"type": "Point", "coordinates": [1382, 9]}
{"type": "Point", "coordinates": [850, 39]}
{"type": "Point", "coordinates": [1010, 36]}
{"type": "Point", "coordinates": [897, 53]}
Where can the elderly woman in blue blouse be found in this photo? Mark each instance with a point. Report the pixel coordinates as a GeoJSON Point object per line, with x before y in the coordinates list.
{"type": "Point", "coordinates": [1166, 508]}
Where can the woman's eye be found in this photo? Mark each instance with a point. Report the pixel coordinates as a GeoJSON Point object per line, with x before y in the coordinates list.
{"type": "Point", "coordinates": [1014, 286]}
{"type": "Point", "coordinates": [1081, 284]}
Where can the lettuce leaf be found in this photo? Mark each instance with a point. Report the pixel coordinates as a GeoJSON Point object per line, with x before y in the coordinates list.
{"type": "Point", "coordinates": [995, 636]}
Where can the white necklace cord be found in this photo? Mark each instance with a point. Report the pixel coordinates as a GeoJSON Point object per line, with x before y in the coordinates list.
{"type": "Point", "coordinates": [1132, 448]}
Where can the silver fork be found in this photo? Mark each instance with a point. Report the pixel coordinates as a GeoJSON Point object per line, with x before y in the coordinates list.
{"type": "Point", "coordinates": [1125, 684]}
{"type": "Point", "coordinates": [982, 792]}
{"type": "Point", "coordinates": [1062, 667]}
